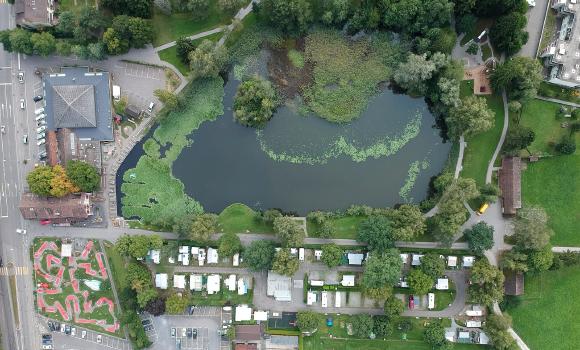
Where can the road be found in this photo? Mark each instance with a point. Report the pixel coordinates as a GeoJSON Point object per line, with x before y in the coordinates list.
{"type": "Point", "coordinates": [534, 27]}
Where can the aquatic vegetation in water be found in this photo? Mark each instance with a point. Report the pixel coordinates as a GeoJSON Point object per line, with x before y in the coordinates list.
{"type": "Point", "coordinates": [382, 147]}
{"type": "Point", "coordinates": [412, 174]}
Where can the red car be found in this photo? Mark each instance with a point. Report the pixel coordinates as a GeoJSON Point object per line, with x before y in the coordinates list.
{"type": "Point", "coordinates": [45, 222]}
{"type": "Point", "coordinates": [411, 302]}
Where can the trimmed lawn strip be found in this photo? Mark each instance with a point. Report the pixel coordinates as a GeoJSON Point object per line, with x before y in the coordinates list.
{"type": "Point", "coordinates": [169, 28]}
{"type": "Point", "coordinates": [239, 218]}
{"type": "Point", "coordinates": [547, 316]}
{"type": "Point", "coordinates": [14, 296]}
{"type": "Point", "coordinates": [480, 147]}
{"type": "Point", "coordinates": [345, 227]}
{"type": "Point", "coordinates": [552, 184]}
{"type": "Point", "coordinates": [554, 91]}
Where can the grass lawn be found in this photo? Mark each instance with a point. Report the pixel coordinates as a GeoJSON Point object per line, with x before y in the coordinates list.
{"type": "Point", "coordinates": [486, 51]}
{"type": "Point", "coordinates": [69, 5]}
{"type": "Point", "coordinates": [480, 147]}
{"type": "Point", "coordinates": [540, 116]}
{"type": "Point", "coordinates": [239, 218]}
{"type": "Point", "coordinates": [169, 28]}
{"type": "Point", "coordinates": [117, 264]}
{"type": "Point", "coordinates": [549, 183]}
{"type": "Point", "coordinates": [344, 227]}
{"type": "Point", "coordinates": [170, 55]}
{"type": "Point", "coordinates": [547, 318]}
{"type": "Point", "coordinates": [551, 90]}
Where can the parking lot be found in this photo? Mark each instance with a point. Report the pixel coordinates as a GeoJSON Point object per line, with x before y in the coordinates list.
{"type": "Point", "coordinates": [89, 341]}
{"type": "Point", "coordinates": [170, 331]}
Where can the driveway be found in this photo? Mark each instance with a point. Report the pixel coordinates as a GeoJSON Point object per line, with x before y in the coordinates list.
{"type": "Point", "coordinates": [535, 16]}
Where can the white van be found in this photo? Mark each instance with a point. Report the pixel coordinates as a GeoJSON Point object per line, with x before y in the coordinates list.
{"type": "Point", "coordinates": [39, 111]}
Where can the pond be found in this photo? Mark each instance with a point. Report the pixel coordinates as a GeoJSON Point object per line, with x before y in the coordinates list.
{"type": "Point", "coordinates": [302, 163]}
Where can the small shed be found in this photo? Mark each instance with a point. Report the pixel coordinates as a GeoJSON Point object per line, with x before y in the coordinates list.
{"type": "Point", "coordinates": [260, 315]}
{"type": "Point", "coordinates": [473, 324]}
{"type": "Point", "coordinates": [442, 284]}
{"type": "Point", "coordinates": [196, 282]}
{"type": "Point", "coordinates": [236, 259]}
{"type": "Point", "coordinates": [132, 111]}
{"type": "Point", "coordinates": [66, 250]}
{"type": "Point", "coordinates": [452, 261]}
{"type": "Point", "coordinates": [347, 281]}
{"type": "Point", "coordinates": [355, 258]}
{"type": "Point", "coordinates": [212, 256]}
{"type": "Point", "coordinates": [416, 259]}
{"type": "Point", "coordinates": [514, 283]}
{"type": "Point", "coordinates": [179, 281]}
{"type": "Point", "coordinates": [243, 313]}
{"type": "Point", "coordinates": [213, 284]}
{"type": "Point", "coordinates": [317, 283]}
{"type": "Point", "coordinates": [242, 287]}
{"type": "Point", "coordinates": [310, 298]}
{"type": "Point", "coordinates": [161, 280]}
{"type": "Point", "coordinates": [230, 282]}
{"type": "Point", "coordinates": [468, 261]}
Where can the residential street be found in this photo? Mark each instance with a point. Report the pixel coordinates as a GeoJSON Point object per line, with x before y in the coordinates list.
{"type": "Point", "coordinates": [534, 27]}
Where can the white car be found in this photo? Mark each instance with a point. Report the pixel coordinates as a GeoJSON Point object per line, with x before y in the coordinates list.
{"type": "Point", "coordinates": [99, 338]}
{"type": "Point", "coordinates": [39, 111]}
{"type": "Point", "coordinates": [22, 104]}
{"type": "Point", "coordinates": [41, 122]}
{"type": "Point", "coordinates": [41, 129]}
{"type": "Point", "coordinates": [21, 77]}
{"type": "Point", "coordinates": [41, 142]}
{"type": "Point", "coordinates": [40, 136]}
{"type": "Point", "coordinates": [73, 331]}
{"type": "Point", "coordinates": [83, 334]}
{"type": "Point", "coordinates": [40, 117]}
{"type": "Point", "coordinates": [183, 332]}
{"type": "Point", "coordinates": [2, 129]}
{"type": "Point", "coordinates": [25, 139]}
{"type": "Point", "coordinates": [21, 231]}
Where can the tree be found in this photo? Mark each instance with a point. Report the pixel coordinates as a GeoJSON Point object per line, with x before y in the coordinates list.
{"type": "Point", "coordinates": [531, 231]}
{"type": "Point", "coordinates": [362, 325]}
{"type": "Point", "coordinates": [479, 237]}
{"type": "Point", "coordinates": [489, 193]}
{"type": "Point", "coordinates": [90, 24]}
{"type": "Point", "coordinates": [203, 226]}
{"type": "Point", "coordinates": [451, 214]}
{"type": "Point", "coordinates": [383, 327]}
{"type": "Point", "coordinates": [137, 246]}
{"type": "Point", "coordinates": [84, 175]}
{"type": "Point", "coordinates": [175, 304]}
{"type": "Point", "coordinates": [141, 31]}
{"type": "Point", "coordinates": [66, 23]}
{"type": "Point", "coordinates": [487, 286]}
{"type": "Point", "coordinates": [496, 327]}
{"type": "Point", "coordinates": [541, 260]}
{"type": "Point", "coordinates": [139, 279]}
{"type": "Point", "coordinates": [393, 307]}
{"type": "Point", "coordinates": [39, 180]}
{"type": "Point", "coordinates": [184, 46]}
{"type": "Point", "coordinates": [495, 8]}
{"type": "Point", "coordinates": [290, 233]}
{"type": "Point", "coordinates": [407, 222]}
{"type": "Point", "coordinates": [255, 102]}
{"type": "Point", "coordinates": [519, 76]}
{"type": "Point", "coordinates": [514, 261]}
{"type": "Point", "coordinates": [471, 117]}
{"type": "Point", "coordinates": [198, 8]}
{"type": "Point", "coordinates": [259, 255]}
{"type": "Point", "coordinates": [291, 16]}
{"type": "Point", "coordinates": [96, 51]}
{"type": "Point", "coordinates": [434, 334]}
{"type": "Point", "coordinates": [168, 98]}
{"type": "Point", "coordinates": [230, 6]}
{"type": "Point", "coordinates": [270, 215]}
{"type": "Point", "coordinates": [432, 265]}
{"type": "Point", "coordinates": [376, 231]}
{"type": "Point", "coordinates": [415, 16]}
{"type": "Point", "coordinates": [382, 269]}
{"type": "Point", "coordinates": [207, 60]}
{"type": "Point", "coordinates": [331, 255]}
{"type": "Point", "coordinates": [137, 8]}
{"type": "Point", "coordinates": [308, 321]}
{"type": "Point", "coordinates": [114, 43]}
{"type": "Point", "coordinates": [419, 282]}
{"type": "Point", "coordinates": [508, 33]}
{"type": "Point", "coordinates": [566, 146]}
{"type": "Point", "coordinates": [43, 44]}
{"type": "Point", "coordinates": [465, 22]}
{"type": "Point", "coordinates": [518, 138]}
{"type": "Point", "coordinates": [20, 41]}
{"type": "Point", "coordinates": [285, 263]}
{"type": "Point", "coordinates": [229, 244]}
{"type": "Point", "coordinates": [60, 185]}
{"type": "Point", "coordinates": [63, 48]}
{"type": "Point", "coordinates": [472, 49]}
{"type": "Point", "coordinates": [382, 293]}
{"type": "Point", "coordinates": [155, 307]}
{"type": "Point", "coordinates": [412, 74]}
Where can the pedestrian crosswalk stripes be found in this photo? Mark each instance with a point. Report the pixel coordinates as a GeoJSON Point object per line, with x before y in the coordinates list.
{"type": "Point", "coordinates": [18, 270]}
{"type": "Point", "coordinates": [2, 1]}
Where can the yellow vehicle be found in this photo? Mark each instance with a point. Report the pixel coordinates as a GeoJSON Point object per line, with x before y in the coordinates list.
{"type": "Point", "coordinates": [482, 209]}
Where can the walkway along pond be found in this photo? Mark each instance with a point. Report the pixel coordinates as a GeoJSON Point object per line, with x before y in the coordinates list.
{"type": "Point", "coordinates": [302, 163]}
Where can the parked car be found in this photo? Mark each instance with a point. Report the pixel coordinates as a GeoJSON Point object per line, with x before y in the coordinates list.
{"type": "Point", "coordinates": [40, 117]}
{"type": "Point", "coordinates": [21, 77]}
{"type": "Point", "coordinates": [40, 136]}
{"type": "Point", "coordinates": [41, 129]}
{"type": "Point", "coordinates": [39, 111]}
{"type": "Point", "coordinates": [45, 222]}
{"type": "Point", "coordinates": [411, 302]}
{"type": "Point", "coordinates": [62, 327]}
{"type": "Point", "coordinates": [47, 347]}
{"type": "Point", "coordinates": [173, 332]}
{"type": "Point", "coordinates": [3, 129]}
{"type": "Point", "coordinates": [67, 330]}
{"type": "Point", "coordinates": [37, 98]}
{"type": "Point", "coordinates": [50, 325]}
{"type": "Point", "coordinates": [178, 343]}
{"type": "Point", "coordinates": [194, 333]}
{"type": "Point", "coordinates": [22, 104]}
{"type": "Point", "coordinates": [41, 142]}
{"type": "Point", "coordinates": [56, 326]}
{"type": "Point", "coordinates": [145, 322]}
{"type": "Point", "coordinates": [83, 334]}
{"type": "Point", "coordinates": [40, 122]}
{"type": "Point", "coordinates": [189, 333]}
{"type": "Point", "coordinates": [73, 331]}
{"type": "Point", "coordinates": [25, 139]}
{"type": "Point", "coordinates": [21, 231]}
{"type": "Point", "coordinates": [183, 332]}
{"type": "Point", "coordinates": [150, 108]}
{"type": "Point", "coordinates": [47, 336]}
{"type": "Point", "coordinates": [99, 338]}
